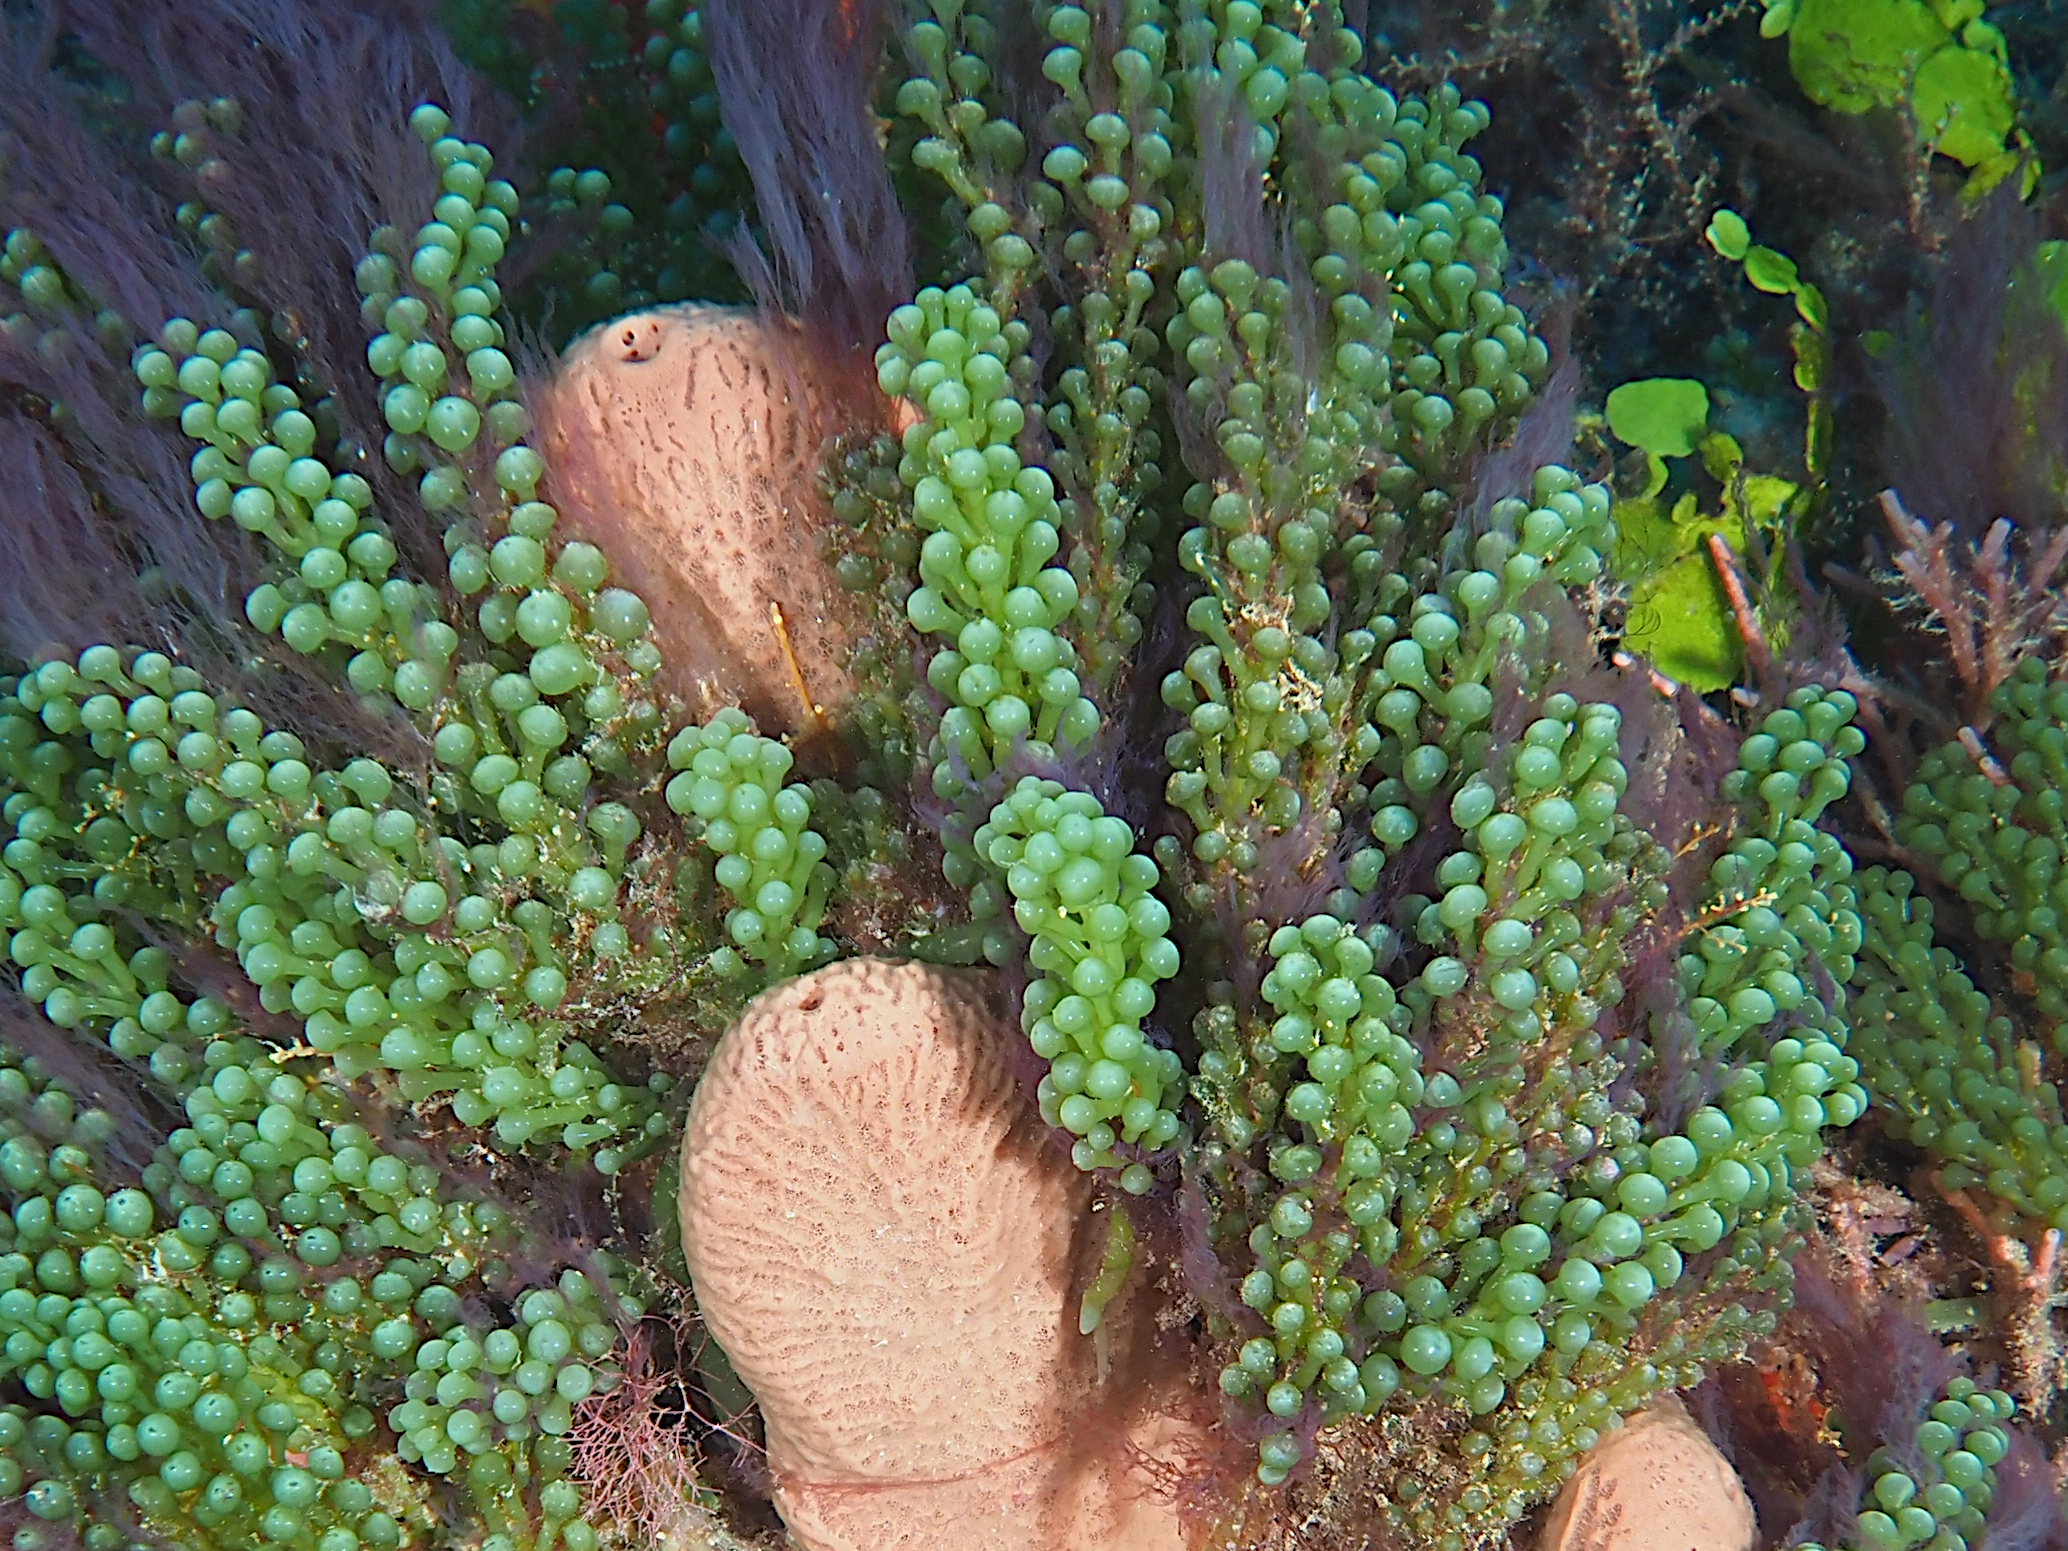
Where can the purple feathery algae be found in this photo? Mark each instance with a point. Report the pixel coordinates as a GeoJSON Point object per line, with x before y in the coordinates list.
{"type": "Point", "coordinates": [794, 79]}
{"type": "Point", "coordinates": [1976, 387]}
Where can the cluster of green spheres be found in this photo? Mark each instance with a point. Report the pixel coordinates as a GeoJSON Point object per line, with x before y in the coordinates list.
{"type": "Point", "coordinates": [1936, 1492]}
{"type": "Point", "coordinates": [1950, 1061]}
{"type": "Point", "coordinates": [1421, 1166]}
{"type": "Point", "coordinates": [521, 734]}
{"type": "Point", "coordinates": [255, 467]}
{"type": "Point", "coordinates": [988, 582]}
{"type": "Point", "coordinates": [1998, 844]}
{"type": "Point", "coordinates": [1488, 1125]}
{"type": "Point", "coordinates": [275, 1326]}
{"type": "Point", "coordinates": [451, 259]}
{"type": "Point", "coordinates": [204, 1337]}
{"type": "Point", "coordinates": [1082, 894]}
{"type": "Point", "coordinates": [316, 868]}
{"type": "Point", "coordinates": [1432, 1175]}
{"type": "Point", "coordinates": [769, 858]}
{"type": "Point", "coordinates": [684, 95]}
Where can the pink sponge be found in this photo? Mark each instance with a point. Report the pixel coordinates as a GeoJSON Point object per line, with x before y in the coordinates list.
{"type": "Point", "coordinates": [892, 1251]}
{"type": "Point", "coordinates": [1654, 1484]}
{"type": "Point", "coordinates": [686, 443]}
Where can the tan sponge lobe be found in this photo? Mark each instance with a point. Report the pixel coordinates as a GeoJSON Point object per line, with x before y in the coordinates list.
{"type": "Point", "coordinates": [686, 442]}
{"type": "Point", "coordinates": [1654, 1484]}
{"type": "Point", "coordinates": [890, 1249]}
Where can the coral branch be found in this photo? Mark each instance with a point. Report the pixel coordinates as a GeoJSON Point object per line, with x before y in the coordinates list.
{"type": "Point", "coordinates": [1757, 653]}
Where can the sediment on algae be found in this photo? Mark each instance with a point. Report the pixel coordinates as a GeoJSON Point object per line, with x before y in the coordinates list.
{"type": "Point", "coordinates": [1128, 561]}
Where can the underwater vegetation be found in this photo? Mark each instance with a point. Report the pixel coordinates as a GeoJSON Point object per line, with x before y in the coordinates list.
{"type": "Point", "coordinates": [1461, 897]}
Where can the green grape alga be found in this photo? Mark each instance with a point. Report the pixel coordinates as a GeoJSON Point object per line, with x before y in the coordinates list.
{"type": "Point", "coordinates": [1264, 710]}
